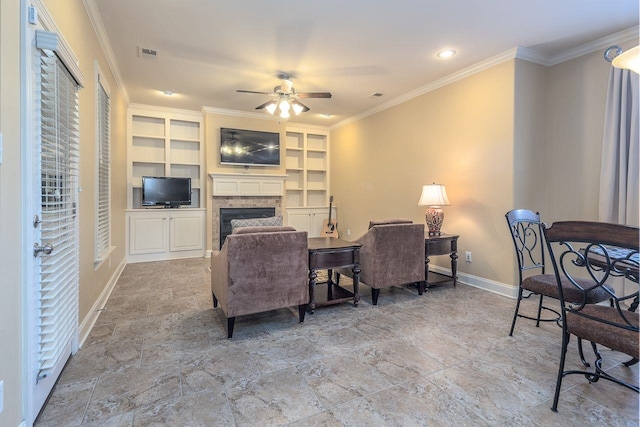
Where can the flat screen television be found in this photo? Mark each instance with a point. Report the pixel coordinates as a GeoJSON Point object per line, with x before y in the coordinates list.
{"type": "Point", "coordinates": [249, 147]}
{"type": "Point", "coordinates": [165, 191]}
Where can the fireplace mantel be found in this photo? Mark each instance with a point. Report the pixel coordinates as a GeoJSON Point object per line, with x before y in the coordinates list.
{"type": "Point", "coordinates": [245, 185]}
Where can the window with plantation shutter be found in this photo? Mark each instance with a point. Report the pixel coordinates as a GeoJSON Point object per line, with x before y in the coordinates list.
{"type": "Point", "coordinates": [103, 170]}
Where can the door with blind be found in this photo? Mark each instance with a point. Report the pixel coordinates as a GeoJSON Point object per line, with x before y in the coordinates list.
{"type": "Point", "coordinates": [54, 174]}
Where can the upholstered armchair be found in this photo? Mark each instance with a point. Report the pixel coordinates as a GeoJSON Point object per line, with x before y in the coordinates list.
{"type": "Point", "coordinates": [260, 269]}
{"type": "Point", "coordinates": [392, 254]}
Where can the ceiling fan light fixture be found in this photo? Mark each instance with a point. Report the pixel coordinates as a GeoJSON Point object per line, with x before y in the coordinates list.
{"type": "Point", "coordinates": [284, 105]}
{"type": "Point", "coordinates": [284, 114]}
{"type": "Point", "coordinates": [297, 107]}
{"type": "Point", "coordinates": [271, 107]}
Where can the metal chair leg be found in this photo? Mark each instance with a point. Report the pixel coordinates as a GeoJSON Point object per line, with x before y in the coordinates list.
{"type": "Point", "coordinates": [539, 312]}
{"type": "Point", "coordinates": [563, 355]}
{"type": "Point", "coordinates": [515, 315]}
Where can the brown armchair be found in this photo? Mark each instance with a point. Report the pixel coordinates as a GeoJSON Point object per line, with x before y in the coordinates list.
{"type": "Point", "coordinates": [260, 269]}
{"type": "Point", "coordinates": [392, 254]}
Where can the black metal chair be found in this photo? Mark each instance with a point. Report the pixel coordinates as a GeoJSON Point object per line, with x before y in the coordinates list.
{"type": "Point", "coordinates": [528, 239]}
{"type": "Point", "coordinates": [587, 254]}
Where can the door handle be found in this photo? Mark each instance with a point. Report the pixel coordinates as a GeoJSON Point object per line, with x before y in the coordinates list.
{"type": "Point", "coordinates": [46, 249]}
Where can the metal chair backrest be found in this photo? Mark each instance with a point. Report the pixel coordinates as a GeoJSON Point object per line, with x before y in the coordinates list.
{"type": "Point", "coordinates": [596, 251]}
{"type": "Point", "coordinates": [528, 240]}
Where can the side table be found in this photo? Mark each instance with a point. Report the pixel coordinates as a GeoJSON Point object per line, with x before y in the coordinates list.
{"type": "Point", "coordinates": [443, 244]}
{"type": "Point", "coordinates": [329, 253]}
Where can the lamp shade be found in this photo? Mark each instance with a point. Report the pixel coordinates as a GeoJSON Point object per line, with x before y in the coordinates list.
{"type": "Point", "coordinates": [433, 195]}
{"type": "Point", "coordinates": [629, 60]}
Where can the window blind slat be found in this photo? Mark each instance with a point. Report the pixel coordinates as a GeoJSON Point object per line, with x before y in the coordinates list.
{"type": "Point", "coordinates": [59, 162]}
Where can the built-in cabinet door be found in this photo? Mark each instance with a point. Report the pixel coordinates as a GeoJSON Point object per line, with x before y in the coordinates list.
{"type": "Point", "coordinates": [186, 233]}
{"type": "Point", "coordinates": [165, 234]}
{"type": "Point", "coordinates": [309, 219]}
{"type": "Point", "coordinates": [147, 235]}
{"type": "Point", "coordinates": [300, 219]}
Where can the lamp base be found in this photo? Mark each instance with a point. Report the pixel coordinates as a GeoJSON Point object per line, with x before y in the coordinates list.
{"type": "Point", "coordinates": [434, 218]}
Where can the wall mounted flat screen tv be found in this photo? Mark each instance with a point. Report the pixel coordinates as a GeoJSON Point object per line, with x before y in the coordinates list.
{"type": "Point", "coordinates": [249, 147]}
{"type": "Point", "coordinates": [165, 191]}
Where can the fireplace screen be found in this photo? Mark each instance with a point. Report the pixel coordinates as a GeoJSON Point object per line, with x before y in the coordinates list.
{"type": "Point", "coordinates": [227, 214]}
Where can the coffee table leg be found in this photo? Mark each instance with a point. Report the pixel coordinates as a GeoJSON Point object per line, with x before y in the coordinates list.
{"type": "Point", "coordinates": [356, 284]}
{"type": "Point", "coordinates": [426, 273]}
{"type": "Point", "coordinates": [312, 286]}
{"type": "Point", "coordinates": [454, 260]}
{"type": "Point", "coordinates": [330, 284]}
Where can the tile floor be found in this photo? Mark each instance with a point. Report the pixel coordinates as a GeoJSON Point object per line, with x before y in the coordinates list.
{"type": "Point", "coordinates": [158, 355]}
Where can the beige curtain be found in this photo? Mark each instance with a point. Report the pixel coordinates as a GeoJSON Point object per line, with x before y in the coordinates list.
{"type": "Point", "coordinates": [619, 171]}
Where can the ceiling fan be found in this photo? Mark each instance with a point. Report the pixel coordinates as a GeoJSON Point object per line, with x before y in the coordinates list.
{"type": "Point", "coordinates": [285, 98]}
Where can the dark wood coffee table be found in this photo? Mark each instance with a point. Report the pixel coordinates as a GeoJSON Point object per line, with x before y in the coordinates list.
{"type": "Point", "coordinates": [327, 253]}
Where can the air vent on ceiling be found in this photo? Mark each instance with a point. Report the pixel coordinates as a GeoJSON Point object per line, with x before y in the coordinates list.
{"type": "Point", "coordinates": [375, 95]}
{"type": "Point", "coordinates": [145, 52]}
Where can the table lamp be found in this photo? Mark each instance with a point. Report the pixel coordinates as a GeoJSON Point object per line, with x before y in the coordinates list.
{"type": "Point", "coordinates": [434, 196]}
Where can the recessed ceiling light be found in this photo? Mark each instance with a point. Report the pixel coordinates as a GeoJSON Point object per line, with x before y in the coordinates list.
{"type": "Point", "coordinates": [446, 53]}
{"type": "Point", "coordinates": [167, 92]}
{"type": "Point", "coordinates": [325, 115]}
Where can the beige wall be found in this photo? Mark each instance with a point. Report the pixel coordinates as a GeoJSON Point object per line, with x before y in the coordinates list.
{"type": "Point", "coordinates": [576, 92]}
{"type": "Point", "coordinates": [10, 215]}
{"type": "Point", "coordinates": [213, 122]}
{"type": "Point", "coordinates": [530, 108]}
{"type": "Point", "coordinates": [75, 26]}
{"type": "Point", "coordinates": [73, 22]}
{"type": "Point", "coordinates": [460, 135]}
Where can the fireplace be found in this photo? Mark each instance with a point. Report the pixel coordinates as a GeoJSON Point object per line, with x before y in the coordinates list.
{"type": "Point", "coordinates": [227, 214]}
{"type": "Point", "coordinates": [244, 191]}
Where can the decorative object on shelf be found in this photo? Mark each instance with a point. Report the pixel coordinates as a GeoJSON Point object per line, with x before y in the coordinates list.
{"type": "Point", "coordinates": [285, 98]}
{"type": "Point", "coordinates": [629, 60]}
{"type": "Point", "coordinates": [434, 196]}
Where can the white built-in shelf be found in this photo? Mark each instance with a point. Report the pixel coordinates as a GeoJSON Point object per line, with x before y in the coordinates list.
{"type": "Point", "coordinates": [164, 142]}
{"type": "Point", "coordinates": [307, 165]}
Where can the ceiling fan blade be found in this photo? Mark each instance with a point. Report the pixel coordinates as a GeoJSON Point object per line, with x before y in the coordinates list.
{"type": "Point", "coordinates": [314, 95]}
{"type": "Point", "coordinates": [261, 106]}
{"type": "Point", "coordinates": [253, 91]}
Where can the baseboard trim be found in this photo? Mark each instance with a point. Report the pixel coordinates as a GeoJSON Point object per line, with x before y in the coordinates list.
{"type": "Point", "coordinates": [480, 282]}
{"type": "Point", "coordinates": [92, 317]}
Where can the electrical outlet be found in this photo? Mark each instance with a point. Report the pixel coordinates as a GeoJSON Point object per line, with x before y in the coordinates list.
{"type": "Point", "coordinates": [467, 256]}
{"type": "Point", "coordinates": [348, 232]}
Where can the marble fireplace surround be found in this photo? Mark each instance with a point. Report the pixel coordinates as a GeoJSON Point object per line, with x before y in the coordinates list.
{"type": "Point", "coordinates": [244, 191]}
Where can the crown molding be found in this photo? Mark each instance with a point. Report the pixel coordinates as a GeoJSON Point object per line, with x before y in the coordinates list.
{"type": "Point", "coordinates": [601, 43]}
{"type": "Point", "coordinates": [98, 27]}
{"type": "Point", "coordinates": [237, 113]}
{"type": "Point", "coordinates": [526, 54]}
{"type": "Point", "coordinates": [462, 74]}
{"type": "Point", "coordinates": [160, 110]}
